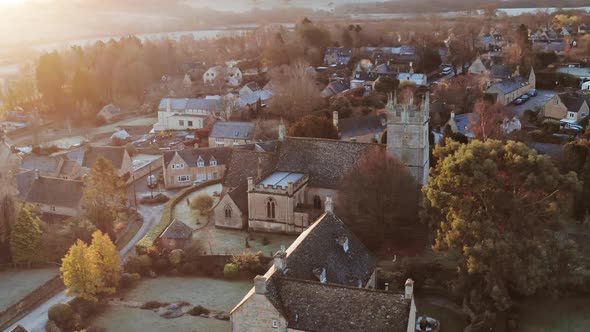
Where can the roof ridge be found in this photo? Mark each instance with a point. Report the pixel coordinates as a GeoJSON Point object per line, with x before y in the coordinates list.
{"type": "Point", "coordinates": [304, 281]}
{"type": "Point", "coordinates": [330, 140]}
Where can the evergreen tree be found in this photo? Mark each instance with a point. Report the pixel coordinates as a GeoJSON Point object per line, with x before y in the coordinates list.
{"type": "Point", "coordinates": [25, 238]}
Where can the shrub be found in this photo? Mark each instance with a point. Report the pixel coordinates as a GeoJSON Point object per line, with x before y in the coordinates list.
{"type": "Point", "coordinates": [126, 280]}
{"type": "Point", "coordinates": [119, 227]}
{"type": "Point", "coordinates": [230, 271]}
{"type": "Point", "coordinates": [176, 257]}
{"type": "Point", "coordinates": [153, 305]}
{"type": "Point", "coordinates": [530, 115]}
{"type": "Point", "coordinates": [341, 105]}
{"type": "Point", "coordinates": [265, 241]}
{"type": "Point", "coordinates": [161, 264]}
{"type": "Point", "coordinates": [157, 199]}
{"type": "Point", "coordinates": [138, 264]}
{"type": "Point", "coordinates": [189, 268]}
{"type": "Point", "coordinates": [198, 310]}
{"type": "Point", "coordinates": [60, 313]}
{"type": "Point", "coordinates": [203, 202]}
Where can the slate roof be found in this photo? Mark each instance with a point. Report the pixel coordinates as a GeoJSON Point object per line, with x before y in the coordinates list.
{"type": "Point", "coordinates": [253, 86]}
{"type": "Point", "coordinates": [326, 161]}
{"type": "Point", "coordinates": [501, 71]}
{"type": "Point", "coordinates": [116, 154]}
{"type": "Point", "coordinates": [181, 104]}
{"type": "Point", "coordinates": [313, 306]}
{"type": "Point", "coordinates": [359, 126]}
{"type": "Point", "coordinates": [191, 156]}
{"type": "Point", "coordinates": [55, 191]}
{"type": "Point", "coordinates": [24, 181]}
{"type": "Point", "coordinates": [252, 98]}
{"type": "Point", "coordinates": [41, 163]}
{"type": "Point", "coordinates": [342, 267]}
{"type": "Point", "coordinates": [573, 103]}
{"type": "Point", "coordinates": [240, 196]}
{"type": "Point", "coordinates": [335, 88]}
{"type": "Point", "coordinates": [177, 230]}
{"type": "Point", "coordinates": [233, 130]}
{"type": "Point", "coordinates": [509, 85]}
{"type": "Point", "coordinates": [245, 163]}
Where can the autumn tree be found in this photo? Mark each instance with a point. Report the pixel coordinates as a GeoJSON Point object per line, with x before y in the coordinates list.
{"type": "Point", "coordinates": [487, 121]}
{"type": "Point", "coordinates": [314, 126]}
{"type": "Point", "coordinates": [108, 262]}
{"type": "Point", "coordinates": [342, 105]}
{"type": "Point", "coordinates": [378, 196]}
{"type": "Point", "coordinates": [51, 78]}
{"type": "Point", "coordinates": [501, 207]}
{"type": "Point", "coordinates": [25, 238]}
{"type": "Point", "coordinates": [385, 84]}
{"type": "Point", "coordinates": [202, 202]}
{"type": "Point", "coordinates": [104, 195]}
{"type": "Point", "coordinates": [80, 273]}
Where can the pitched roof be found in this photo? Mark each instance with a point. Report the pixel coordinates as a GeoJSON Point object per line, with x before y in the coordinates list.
{"type": "Point", "coordinates": [359, 126]}
{"type": "Point", "coordinates": [191, 156]}
{"type": "Point", "coordinates": [343, 267]}
{"type": "Point", "coordinates": [501, 71]}
{"type": "Point", "coordinates": [240, 196]}
{"type": "Point", "coordinates": [177, 230]}
{"type": "Point", "coordinates": [55, 191]}
{"type": "Point", "coordinates": [42, 163]}
{"type": "Point", "coordinates": [115, 154]}
{"type": "Point", "coordinates": [512, 84]}
{"type": "Point", "coordinates": [313, 306]}
{"type": "Point", "coordinates": [335, 88]}
{"type": "Point", "coordinates": [246, 163]}
{"type": "Point", "coordinates": [190, 104]}
{"type": "Point", "coordinates": [573, 103]}
{"type": "Point", "coordinates": [253, 86]}
{"type": "Point", "coordinates": [233, 130]}
{"type": "Point", "coordinates": [24, 181]}
{"type": "Point", "coordinates": [326, 161]}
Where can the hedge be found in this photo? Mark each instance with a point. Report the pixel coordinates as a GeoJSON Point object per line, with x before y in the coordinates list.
{"type": "Point", "coordinates": [149, 240]}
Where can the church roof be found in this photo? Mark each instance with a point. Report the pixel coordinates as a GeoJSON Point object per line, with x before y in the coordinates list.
{"type": "Point", "coordinates": [247, 163]}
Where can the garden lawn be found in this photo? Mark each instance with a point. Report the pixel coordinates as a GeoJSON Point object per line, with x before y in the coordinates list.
{"type": "Point", "coordinates": [214, 294]}
{"type": "Point", "coordinates": [16, 284]}
{"type": "Point", "coordinates": [217, 241]}
{"type": "Point", "coordinates": [184, 213]}
{"type": "Point", "coordinates": [546, 315]}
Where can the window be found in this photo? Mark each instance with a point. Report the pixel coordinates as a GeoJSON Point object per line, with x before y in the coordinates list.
{"type": "Point", "coordinates": [215, 175]}
{"type": "Point", "coordinates": [213, 162]}
{"type": "Point", "coordinates": [209, 176]}
{"type": "Point", "coordinates": [317, 202]}
{"type": "Point", "coordinates": [52, 208]}
{"type": "Point", "coordinates": [556, 101]}
{"type": "Point", "coordinates": [227, 212]}
{"type": "Point", "coordinates": [201, 177]}
{"type": "Point", "coordinates": [270, 208]}
{"type": "Point", "coordinates": [190, 123]}
{"type": "Point", "coordinates": [181, 122]}
{"type": "Point", "coordinates": [184, 178]}
{"type": "Point", "coordinates": [275, 323]}
{"type": "Point", "coordinates": [219, 142]}
{"type": "Point", "coordinates": [177, 166]}
{"type": "Point", "coordinates": [571, 115]}
{"type": "Point", "coordinates": [200, 162]}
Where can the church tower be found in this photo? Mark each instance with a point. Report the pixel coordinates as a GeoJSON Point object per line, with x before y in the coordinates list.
{"type": "Point", "coordinates": [407, 135]}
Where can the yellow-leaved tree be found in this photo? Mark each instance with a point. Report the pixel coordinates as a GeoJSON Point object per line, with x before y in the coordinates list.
{"type": "Point", "coordinates": [80, 272]}
{"type": "Point", "coordinates": [108, 262]}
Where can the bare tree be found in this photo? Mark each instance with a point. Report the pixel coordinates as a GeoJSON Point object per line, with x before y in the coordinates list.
{"type": "Point", "coordinates": [487, 119]}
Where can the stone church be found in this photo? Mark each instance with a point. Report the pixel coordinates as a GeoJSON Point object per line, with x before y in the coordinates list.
{"type": "Point", "coordinates": [282, 186]}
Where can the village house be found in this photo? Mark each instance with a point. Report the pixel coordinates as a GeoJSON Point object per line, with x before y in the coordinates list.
{"type": "Point", "coordinates": [86, 156]}
{"type": "Point", "coordinates": [418, 79]}
{"type": "Point", "coordinates": [230, 133]}
{"type": "Point", "coordinates": [568, 108]}
{"type": "Point", "coordinates": [335, 88]}
{"type": "Point", "coordinates": [184, 167]}
{"type": "Point", "coordinates": [185, 113]}
{"type": "Point", "coordinates": [462, 124]}
{"type": "Point", "coordinates": [320, 283]}
{"type": "Point", "coordinates": [229, 75]}
{"type": "Point", "coordinates": [339, 56]}
{"type": "Point", "coordinates": [249, 88]}
{"type": "Point", "coordinates": [508, 90]}
{"type": "Point", "coordinates": [109, 113]}
{"type": "Point", "coordinates": [285, 187]}
{"type": "Point", "coordinates": [52, 166]}
{"type": "Point", "coordinates": [364, 129]}
{"type": "Point", "coordinates": [176, 236]}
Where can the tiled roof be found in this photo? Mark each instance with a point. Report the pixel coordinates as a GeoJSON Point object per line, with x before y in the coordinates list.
{"type": "Point", "coordinates": [42, 163]}
{"type": "Point", "coordinates": [24, 181]}
{"type": "Point", "coordinates": [252, 98]}
{"type": "Point", "coordinates": [115, 154]}
{"type": "Point", "coordinates": [55, 191]}
{"type": "Point", "coordinates": [512, 84]}
{"type": "Point", "coordinates": [177, 230]}
{"type": "Point", "coordinates": [326, 161]}
{"type": "Point", "coordinates": [573, 103]}
{"type": "Point", "coordinates": [233, 130]}
{"type": "Point", "coordinates": [246, 163]}
{"type": "Point", "coordinates": [191, 156]}
{"type": "Point", "coordinates": [359, 126]}
{"type": "Point", "coordinates": [240, 196]}
{"type": "Point", "coordinates": [501, 71]}
{"type": "Point", "coordinates": [335, 88]}
{"type": "Point", "coordinates": [181, 104]}
{"type": "Point", "coordinates": [313, 306]}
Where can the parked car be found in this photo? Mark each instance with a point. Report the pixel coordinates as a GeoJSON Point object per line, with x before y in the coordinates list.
{"type": "Point", "coordinates": [519, 101]}
{"type": "Point", "coordinates": [525, 97]}
{"type": "Point", "coordinates": [568, 125]}
{"type": "Point", "coordinates": [446, 71]}
{"type": "Point", "coordinates": [532, 93]}
{"type": "Point", "coordinates": [152, 181]}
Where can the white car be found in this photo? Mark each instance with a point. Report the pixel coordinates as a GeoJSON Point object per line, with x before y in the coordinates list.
{"type": "Point", "coordinates": [446, 71]}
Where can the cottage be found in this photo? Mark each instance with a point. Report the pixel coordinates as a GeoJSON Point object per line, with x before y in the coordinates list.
{"type": "Point", "coordinates": [334, 88]}
{"type": "Point", "coordinates": [231, 76]}
{"type": "Point", "coordinates": [183, 168]}
{"type": "Point", "coordinates": [54, 196]}
{"type": "Point", "coordinates": [249, 88]}
{"type": "Point", "coordinates": [117, 155]}
{"type": "Point", "coordinates": [52, 166]}
{"type": "Point", "coordinates": [337, 56]}
{"type": "Point", "coordinates": [508, 90]}
{"type": "Point", "coordinates": [185, 113]}
{"type": "Point", "coordinates": [176, 236]}
{"type": "Point", "coordinates": [230, 133]}
{"type": "Point", "coordinates": [319, 283]}
{"type": "Point", "coordinates": [365, 129]}
{"type": "Point", "coordinates": [577, 108]}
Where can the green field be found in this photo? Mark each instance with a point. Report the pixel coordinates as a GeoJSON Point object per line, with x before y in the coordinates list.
{"type": "Point", "coordinates": [16, 284]}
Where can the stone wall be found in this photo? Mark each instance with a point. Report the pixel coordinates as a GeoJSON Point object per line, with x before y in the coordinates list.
{"type": "Point", "coordinates": [257, 314]}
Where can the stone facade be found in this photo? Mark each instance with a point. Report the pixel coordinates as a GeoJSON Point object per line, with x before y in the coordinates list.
{"type": "Point", "coordinates": [228, 215]}
{"type": "Point", "coordinates": [179, 172]}
{"type": "Point", "coordinates": [407, 136]}
{"type": "Point", "coordinates": [220, 142]}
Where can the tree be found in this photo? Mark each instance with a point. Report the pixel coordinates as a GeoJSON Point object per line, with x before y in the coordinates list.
{"type": "Point", "coordinates": [488, 119]}
{"type": "Point", "coordinates": [202, 202]}
{"type": "Point", "coordinates": [51, 77]}
{"type": "Point", "coordinates": [25, 238]}
{"type": "Point", "coordinates": [7, 220]}
{"type": "Point", "coordinates": [108, 262]}
{"type": "Point", "coordinates": [314, 126]}
{"type": "Point", "coordinates": [104, 195]}
{"type": "Point", "coordinates": [341, 105]}
{"type": "Point", "coordinates": [512, 54]}
{"type": "Point", "coordinates": [386, 84]}
{"type": "Point", "coordinates": [85, 86]}
{"type": "Point", "coordinates": [378, 196]}
{"type": "Point", "coordinates": [80, 273]}
{"type": "Point", "coordinates": [499, 205]}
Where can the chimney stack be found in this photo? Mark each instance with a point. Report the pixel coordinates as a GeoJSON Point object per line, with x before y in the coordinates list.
{"type": "Point", "coordinates": [260, 285]}
{"type": "Point", "coordinates": [335, 119]}
{"type": "Point", "coordinates": [37, 174]}
{"type": "Point", "coordinates": [409, 289]}
{"type": "Point", "coordinates": [329, 205]}
{"type": "Point", "coordinates": [282, 130]}
{"type": "Point", "coordinates": [453, 115]}
{"type": "Point", "coordinates": [250, 183]}
{"type": "Point", "coordinates": [280, 259]}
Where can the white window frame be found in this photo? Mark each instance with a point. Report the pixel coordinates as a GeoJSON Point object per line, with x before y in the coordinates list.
{"type": "Point", "coordinates": [184, 178]}
{"type": "Point", "coordinates": [181, 123]}
{"type": "Point", "coordinates": [177, 166]}
{"type": "Point", "coordinates": [200, 162]}
{"type": "Point", "coordinates": [201, 177]}
{"type": "Point", "coordinates": [213, 162]}
{"type": "Point", "coordinates": [275, 323]}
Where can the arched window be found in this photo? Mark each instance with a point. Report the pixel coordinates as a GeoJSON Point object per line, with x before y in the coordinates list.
{"type": "Point", "coordinates": [270, 208]}
{"type": "Point", "coordinates": [227, 212]}
{"type": "Point", "coordinates": [317, 202]}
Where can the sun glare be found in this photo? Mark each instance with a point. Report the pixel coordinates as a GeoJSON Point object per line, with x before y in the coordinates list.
{"type": "Point", "coordinates": [11, 2]}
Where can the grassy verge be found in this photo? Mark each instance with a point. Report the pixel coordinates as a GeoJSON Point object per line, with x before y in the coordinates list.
{"type": "Point", "coordinates": [150, 238]}
{"type": "Point", "coordinates": [128, 233]}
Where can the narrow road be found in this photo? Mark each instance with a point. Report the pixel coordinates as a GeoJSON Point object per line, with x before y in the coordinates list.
{"type": "Point", "coordinates": [35, 321]}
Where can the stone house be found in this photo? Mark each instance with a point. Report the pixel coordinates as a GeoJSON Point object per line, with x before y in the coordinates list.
{"type": "Point", "coordinates": [337, 56]}
{"type": "Point", "coordinates": [249, 89]}
{"type": "Point", "coordinates": [320, 283]}
{"type": "Point", "coordinates": [184, 167]}
{"type": "Point", "coordinates": [117, 155]}
{"type": "Point", "coordinates": [508, 90]}
{"type": "Point", "coordinates": [185, 113]}
{"type": "Point", "coordinates": [230, 133]}
{"type": "Point", "coordinates": [365, 129]}
{"type": "Point", "coordinates": [231, 76]}
{"type": "Point", "coordinates": [176, 236]}
{"type": "Point", "coordinates": [52, 166]}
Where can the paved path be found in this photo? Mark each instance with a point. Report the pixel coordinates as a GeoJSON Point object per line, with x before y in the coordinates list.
{"type": "Point", "coordinates": [35, 321]}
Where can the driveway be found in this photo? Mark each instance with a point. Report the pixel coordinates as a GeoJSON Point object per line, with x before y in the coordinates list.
{"type": "Point", "coordinates": [540, 99]}
{"type": "Point", "coordinates": [35, 321]}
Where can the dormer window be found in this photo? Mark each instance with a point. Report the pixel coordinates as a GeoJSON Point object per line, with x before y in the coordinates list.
{"type": "Point", "coordinates": [213, 162]}
{"type": "Point", "coordinates": [200, 162]}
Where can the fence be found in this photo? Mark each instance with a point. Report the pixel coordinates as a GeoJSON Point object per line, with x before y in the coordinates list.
{"type": "Point", "coordinates": [39, 295]}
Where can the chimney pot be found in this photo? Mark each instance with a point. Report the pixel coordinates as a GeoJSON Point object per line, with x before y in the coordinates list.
{"type": "Point", "coordinates": [280, 259]}
{"type": "Point", "coordinates": [409, 289]}
{"type": "Point", "coordinates": [250, 183]}
{"type": "Point", "coordinates": [329, 205]}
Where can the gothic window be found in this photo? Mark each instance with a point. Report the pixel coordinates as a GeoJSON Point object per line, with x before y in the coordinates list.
{"type": "Point", "coordinates": [270, 208]}
{"type": "Point", "coordinates": [227, 212]}
{"type": "Point", "coordinates": [317, 202]}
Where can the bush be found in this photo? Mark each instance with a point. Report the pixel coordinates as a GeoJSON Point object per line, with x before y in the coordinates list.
{"type": "Point", "coordinates": [530, 115]}
{"type": "Point", "coordinates": [189, 268]}
{"type": "Point", "coordinates": [341, 105]}
{"type": "Point", "coordinates": [203, 202]}
{"type": "Point", "coordinates": [198, 310]}
{"type": "Point", "coordinates": [161, 264]}
{"type": "Point", "coordinates": [127, 279]}
{"type": "Point", "coordinates": [153, 305]}
{"type": "Point", "coordinates": [138, 264]}
{"type": "Point", "coordinates": [60, 313]}
{"type": "Point", "coordinates": [249, 262]}
{"type": "Point", "coordinates": [157, 199]}
{"type": "Point", "coordinates": [230, 271]}
{"type": "Point", "coordinates": [176, 257]}
{"type": "Point", "coordinates": [265, 241]}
